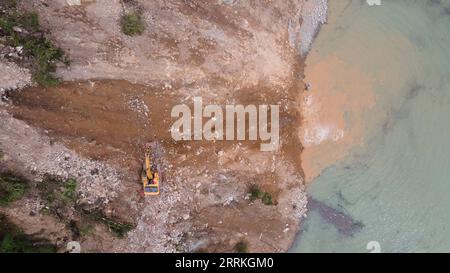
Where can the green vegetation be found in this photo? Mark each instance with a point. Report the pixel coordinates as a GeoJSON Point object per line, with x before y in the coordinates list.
{"type": "Point", "coordinates": [82, 228]}
{"type": "Point", "coordinates": [7, 4]}
{"type": "Point", "coordinates": [58, 194]}
{"type": "Point", "coordinates": [132, 24]}
{"type": "Point", "coordinates": [117, 227]}
{"type": "Point", "coordinates": [13, 240]}
{"type": "Point", "coordinates": [22, 29]}
{"type": "Point", "coordinates": [69, 191]}
{"type": "Point", "coordinates": [12, 188]}
{"type": "Point", "coordinates": [256, 193]}
{"type": "Point", "coordinates": [267, 199]}
{"type": "Point", "coordinates": [61, 196]}
{"type": "Point", "coordinates": [240, 247]}
{"type": "Point", "coordinates": [85, 229]}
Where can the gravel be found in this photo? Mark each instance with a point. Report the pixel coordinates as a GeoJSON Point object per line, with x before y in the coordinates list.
{"type": "Point", "coordinates": [12, 76]}
{"type": "Point", "coordinates": [31, 149]}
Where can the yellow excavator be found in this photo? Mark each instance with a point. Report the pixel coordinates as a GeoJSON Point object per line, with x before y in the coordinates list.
{"type": "Point", "coordinates": [150, 174]}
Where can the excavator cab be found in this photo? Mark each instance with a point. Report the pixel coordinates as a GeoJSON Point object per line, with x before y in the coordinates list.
{"type": "Point", "coordinates": [150, 174]}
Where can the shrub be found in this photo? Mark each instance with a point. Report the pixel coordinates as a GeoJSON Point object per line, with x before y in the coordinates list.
{"type": "Point", "coordinates": [117, 227]}
{"type": "Point", "coordinates": [59, 195]}
{"type": "Point", "coordinates": [45, 56]}
{"type": "Point", "coordinates": [85, 229]}
{"type": "Point", "coordinates": [69, 193]}
{"type": "Point", "coordinates": [267, 199]}
{"type": "Point", "coordinates": [42, 53]}
{"type": "Point", "coordinates": [13, 240]}
{"type": "Point", "coordinates": [256, 193]}
{"type": "Point", "coordinates": [132, 24]}
{"type": "Point", "coordinates": [7, 4]}
{"type": "Point", "coordinates": [12, 188]}
{"type": "Point", "coordinates": [240, 247]}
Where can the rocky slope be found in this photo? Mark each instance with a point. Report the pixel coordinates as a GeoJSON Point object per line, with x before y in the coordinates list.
{"type": "Point", "coordinates": [93, 128]}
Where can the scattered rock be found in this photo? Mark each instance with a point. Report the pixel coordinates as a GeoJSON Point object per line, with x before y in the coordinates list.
{"type": "Point", "coordinates": [73, 2]}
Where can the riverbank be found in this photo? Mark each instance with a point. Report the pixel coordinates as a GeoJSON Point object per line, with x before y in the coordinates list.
{"type": "Point", "coordinates": [334, 106]}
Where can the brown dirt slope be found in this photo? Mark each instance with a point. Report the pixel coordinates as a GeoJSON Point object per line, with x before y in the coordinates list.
{"type": "Point", "coordinates": [94, 126]}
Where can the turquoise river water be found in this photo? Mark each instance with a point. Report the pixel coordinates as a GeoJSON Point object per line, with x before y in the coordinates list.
{"type": "Point", "coordinates": [395, 186]}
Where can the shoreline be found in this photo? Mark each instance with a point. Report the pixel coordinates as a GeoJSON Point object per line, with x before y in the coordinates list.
{"type": "Point", "coordinates": [332, 110]}
{"type": "Point", "coordinates": [316, 16]}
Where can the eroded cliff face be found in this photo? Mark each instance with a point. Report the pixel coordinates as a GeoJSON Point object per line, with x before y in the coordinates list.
{"type": "Point", "coordinates": [243, 42]}
{"type": "Point", "coordinates": [118, 96]}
